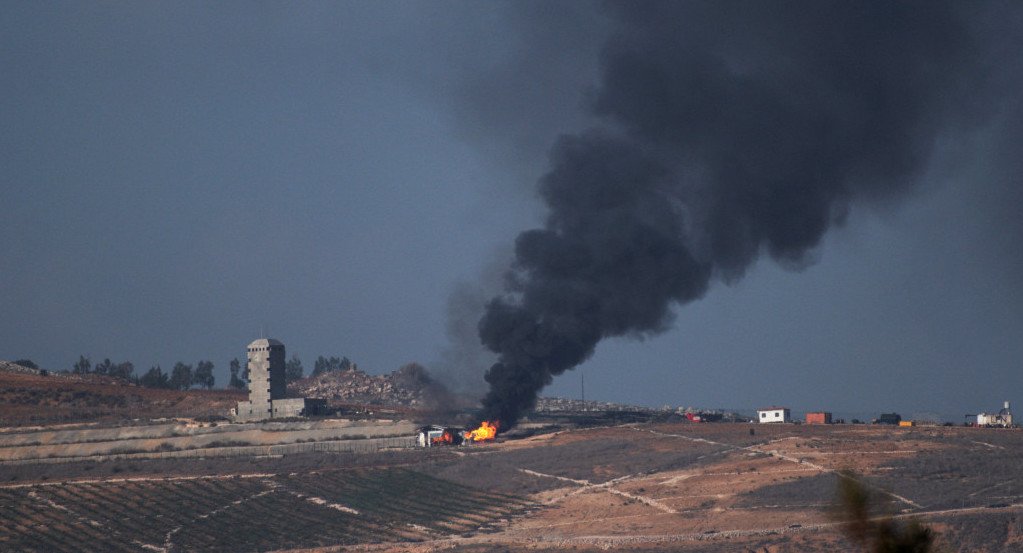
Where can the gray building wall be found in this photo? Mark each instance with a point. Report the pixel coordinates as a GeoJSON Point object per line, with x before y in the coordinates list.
{"type": "Point", "coordinates": [266, 379]}
{"type": "Point", "coordinates": [267, 386]}
{"type": "Point", "coordinates": [297, 407]}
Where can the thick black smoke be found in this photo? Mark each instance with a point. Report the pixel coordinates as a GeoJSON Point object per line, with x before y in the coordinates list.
{"type": "Point", "coordinates": [732, 129]}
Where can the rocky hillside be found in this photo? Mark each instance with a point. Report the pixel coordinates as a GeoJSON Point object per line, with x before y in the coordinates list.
{"type": "Point", "coordinates": [7, 366]}
{"type": "Point", "coordinates": [29, 396]}
{"type": "Point", "coordinates": [409, 386]}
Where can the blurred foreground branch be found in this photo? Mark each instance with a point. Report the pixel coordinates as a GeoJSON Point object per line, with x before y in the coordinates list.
{"type": "Point", "coordinates": [869, 523]}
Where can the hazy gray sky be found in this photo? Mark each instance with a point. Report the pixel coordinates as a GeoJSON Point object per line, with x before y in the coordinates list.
{"type": "Point", "coordinates": [178, 177]}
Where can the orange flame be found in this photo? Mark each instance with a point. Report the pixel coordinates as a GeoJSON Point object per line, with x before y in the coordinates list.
{"type": "Point", "coordinates": [445, 438]}
{"type": "Point", "coordinates": [486, 431]}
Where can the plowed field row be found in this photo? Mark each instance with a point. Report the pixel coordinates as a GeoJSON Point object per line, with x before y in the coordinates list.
{"type": "Point", "coordinates": [244, 514]}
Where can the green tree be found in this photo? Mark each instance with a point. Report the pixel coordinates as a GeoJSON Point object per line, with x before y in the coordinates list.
{"type": "Point", "coordinates": [181, 376]}
{"type": "Point", "coordinates": [83, 366]}
{"type": "Point", "coordinates": [203, 375]}
{"type": "Point", "coordinates": [103, 368]}
{"type": "Point", "coordinates": [155, 378]}
{"type": "Point", "coordinates": [293, 369]}
{"type": "Point", "coordinates": [123, 370]}
{"type": "Point", "coordinates": [325, 365]}
{"type": "Point", "coordinates": [236, 369]}
{"type": "Point", "coordinates": [27, 363]}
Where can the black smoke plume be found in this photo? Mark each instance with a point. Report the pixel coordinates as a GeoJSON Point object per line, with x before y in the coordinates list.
{"type": "Point", "coordinates": [730, 130]}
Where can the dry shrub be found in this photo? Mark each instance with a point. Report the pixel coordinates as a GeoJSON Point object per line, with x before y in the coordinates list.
{"type": "Point", "coordinates": [868, 523]}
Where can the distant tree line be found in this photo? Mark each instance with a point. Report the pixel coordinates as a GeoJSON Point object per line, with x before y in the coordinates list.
{"type": "Point", "coordinates": [293, 369]}
{"type": "Point", "coordinates": [125, 370]}
{"type": "Point", "coordinates": [184, 377]}
{"type": "Point", "coordinates": [181, 377]}
{"type": "Point", "coordinates": [27, 363]}
{"type": "Point", "coordinates": [326, 365]}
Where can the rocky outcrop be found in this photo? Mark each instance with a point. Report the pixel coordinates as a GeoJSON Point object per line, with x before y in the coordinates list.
{"type": "Point", "coordinates": [12, 368]}
{"type": "Point", "coordinates": [558, 404]}
{"type": "Point", "coordinates": [409, 386]}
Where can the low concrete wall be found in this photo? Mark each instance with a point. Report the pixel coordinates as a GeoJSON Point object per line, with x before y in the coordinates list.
{"type": "Point", "coordinates": [346, 446]}
{"type": "Point", "coordinates": [176, 438]}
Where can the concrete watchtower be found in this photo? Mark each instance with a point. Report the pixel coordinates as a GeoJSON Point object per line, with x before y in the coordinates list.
{"type": "Point", "coordinates": [268, 388]}
{"type": "Point", "coordinates": [266, 378]}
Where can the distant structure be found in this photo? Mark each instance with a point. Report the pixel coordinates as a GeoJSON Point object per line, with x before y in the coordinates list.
{"type": "Point", "coordinates": [267, 397]}
{"type": "Point", "coordinates": [822, 417]}
{"type": "Point", "coordinates": [888, 418]}
{"type": "Point", "coordinates": [774, 414]}
{"type": "Point", "coordinates": [434, 435]}
{"type": "Point", "coordinates": [1003, 418]}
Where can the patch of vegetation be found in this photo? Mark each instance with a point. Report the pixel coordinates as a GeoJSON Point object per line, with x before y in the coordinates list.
{"type": "Point", "coordinates": [966, 474]}
{"type": "Point", "coordinates": [225, 443]}
{"type": "Point", "coordinates": [979, 532]}
{"type": "Point", "coordinates": [126, 450]}
{"type": "Point", "coordinates": [812, 491]}
{"type": "Point", "coordinates": [866, 518]}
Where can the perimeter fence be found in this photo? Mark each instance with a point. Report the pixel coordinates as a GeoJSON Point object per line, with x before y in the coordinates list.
{"type": "Point", "coordinates": [368, 445]}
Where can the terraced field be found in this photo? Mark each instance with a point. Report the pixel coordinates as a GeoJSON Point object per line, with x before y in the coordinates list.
{"type": "Point", "coordinates": [244, 513]}
{"type": "Point", "coordinates": [642, 488]}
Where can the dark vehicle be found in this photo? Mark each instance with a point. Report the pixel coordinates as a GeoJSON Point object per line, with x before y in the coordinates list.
{"type": "Point", "coordinates": [889, 418]}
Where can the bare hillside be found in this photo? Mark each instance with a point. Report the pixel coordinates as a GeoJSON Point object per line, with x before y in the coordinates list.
{"type": "Point", "coordinates": [29, 398]}
{"type": "Point", "coordinates": [681, 487]}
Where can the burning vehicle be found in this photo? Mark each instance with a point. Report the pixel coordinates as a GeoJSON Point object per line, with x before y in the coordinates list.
{"type": "Point", "coordinates": [486, 431]}
{"type": "Point", "coordinates": [433, 436]}
{"type": "Point", "coordinates": [436, 435]}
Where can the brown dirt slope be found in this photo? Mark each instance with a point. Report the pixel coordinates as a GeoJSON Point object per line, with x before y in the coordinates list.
{"type": "Point", "coordinates": [30, 399]}
{"type": "Point", "coordinates": [701, 488]}
{"type": "Point", "coordinates": [717, 487]}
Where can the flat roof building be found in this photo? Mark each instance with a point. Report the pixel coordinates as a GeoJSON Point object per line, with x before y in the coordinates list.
{"type": "Point", "coordinates": [820, 417]}
{"type": "Point", "coordinates": [268, 387]}
{"type": "Point", "coordinates": [774, 414]}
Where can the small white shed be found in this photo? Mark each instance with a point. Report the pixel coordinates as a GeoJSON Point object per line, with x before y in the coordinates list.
{"type": "Point", "coordinates": [774, 414]}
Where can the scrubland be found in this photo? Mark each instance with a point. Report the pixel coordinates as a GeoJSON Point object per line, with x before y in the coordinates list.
{"type": "Point", "coordinates": [667, 486]}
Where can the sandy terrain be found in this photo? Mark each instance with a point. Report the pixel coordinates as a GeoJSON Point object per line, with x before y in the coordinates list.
{"type": "Point", "coordinates": [765, 492]}
{"type": "Point", "coordinates": [705, 488]}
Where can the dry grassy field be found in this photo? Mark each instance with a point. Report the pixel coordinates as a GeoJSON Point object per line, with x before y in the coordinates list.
{"type": "Point", "coordinates": [30, 399]}
{"type": "Point", "coordinates": [636, 487]}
